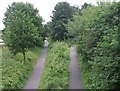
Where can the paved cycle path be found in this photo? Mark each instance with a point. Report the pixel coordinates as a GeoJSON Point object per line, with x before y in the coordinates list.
{"type": "Point", "coordinates": [74, 80]}
{"type": "Point", "coordinates": [34, 81]}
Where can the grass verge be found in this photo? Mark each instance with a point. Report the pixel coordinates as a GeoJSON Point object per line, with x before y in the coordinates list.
{"type": "Point", "coordinates": [85, 72]}
{"type": "Point", "coordinates": [14, 72]}
{"type": "Point", "coordinates": [56, 74]}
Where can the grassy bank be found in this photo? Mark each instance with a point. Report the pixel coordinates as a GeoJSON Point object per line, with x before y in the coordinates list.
{"type": "Point", "coordinates": [56, 75]}
{"type": "Point", "coordinates": [85, 72]}
{"type": "Point", "coordinates": [14, 72]}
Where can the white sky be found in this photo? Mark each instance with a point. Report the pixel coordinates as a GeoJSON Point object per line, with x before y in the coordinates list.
{"type": "Point", "coordinates": [45, 7]}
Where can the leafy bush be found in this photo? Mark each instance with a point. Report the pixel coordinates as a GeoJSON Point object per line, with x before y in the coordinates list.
{"type": "Point", "coordinates": [15, 73]}
{"type": "Point", "coordinates": [55, 75]}
{"type": "Point", "coordinates": [97, 37]}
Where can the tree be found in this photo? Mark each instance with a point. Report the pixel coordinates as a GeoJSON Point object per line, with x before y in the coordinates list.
{"type": "Point", "coordinates": [23, 28]}
{"type": "Point", "coordinates": [61, 14]}
{"type": "Point", "coordinates": [76, 10]}
{"type": "Point", "coordinates": [85, 5]}
{"type": "Point", "coordinates": [45, 32]}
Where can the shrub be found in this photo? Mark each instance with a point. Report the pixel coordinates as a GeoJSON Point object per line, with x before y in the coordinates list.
{"type": "Point", "coordinates": [97, 37]}
{"type": "Point", "coordinates": [15, 73]}
{"type": "Point", "coordinates": [55, 75]}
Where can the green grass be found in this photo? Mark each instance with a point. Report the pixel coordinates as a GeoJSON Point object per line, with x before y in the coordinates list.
{"type": "Point", "coordinates": [14, 72]}
{"type": "Point", "coordinates": [85, 73]}
{"type": "Point", "coordinates": [56, 74]}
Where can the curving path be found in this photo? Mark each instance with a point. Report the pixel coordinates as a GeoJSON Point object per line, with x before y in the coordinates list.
{"type": "Point", "coordinates": [74, 80]}
{"type": "Point", "coordinates": [34, 81]}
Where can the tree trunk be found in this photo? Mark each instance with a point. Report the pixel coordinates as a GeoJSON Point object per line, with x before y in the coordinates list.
{"type": "Point", "coordinates": [24, 57]}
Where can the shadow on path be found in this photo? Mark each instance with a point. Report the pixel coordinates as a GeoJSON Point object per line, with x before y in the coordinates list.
{"type": "Point", "coordinates": [34, 81]}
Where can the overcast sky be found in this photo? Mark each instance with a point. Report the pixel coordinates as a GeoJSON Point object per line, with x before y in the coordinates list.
{"type": "Point", "coordinates": [45, 7]}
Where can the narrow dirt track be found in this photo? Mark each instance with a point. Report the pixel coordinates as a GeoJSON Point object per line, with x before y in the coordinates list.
{"type": "Point", "coordinates": [74, 80]}
{"type": "Point", "coordinates": [34, 81]}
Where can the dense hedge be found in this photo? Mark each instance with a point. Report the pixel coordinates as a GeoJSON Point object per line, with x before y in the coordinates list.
{"type": "Point", "coordinates": [97, 36]}
{"type": "Point", "coordinates": [56, 75]}
{"type": "Point", "coordinates": [14, 72]}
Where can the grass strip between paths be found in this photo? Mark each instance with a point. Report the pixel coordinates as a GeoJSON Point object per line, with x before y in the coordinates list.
{"type": "Point", "coordinates": [56, 71]}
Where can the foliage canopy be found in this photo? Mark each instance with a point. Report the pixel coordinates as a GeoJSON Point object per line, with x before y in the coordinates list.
{"type": "Point", "coordinates": [97, 36]}
{"type": "Point", "coordinates": [23, 27]}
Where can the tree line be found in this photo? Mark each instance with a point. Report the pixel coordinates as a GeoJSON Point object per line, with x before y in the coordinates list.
{"type": "Point", "coordinates": [93, 29]}
{"type": "Point", "coordinates": [97, 36]}
{"type": "Point", "coordinates": [24, 29]}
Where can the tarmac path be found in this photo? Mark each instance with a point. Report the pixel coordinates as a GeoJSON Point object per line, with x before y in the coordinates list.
{"type": "Point", "coordinates": [34, 81]}
{"type": "Point", "coordinates": [74, 80]}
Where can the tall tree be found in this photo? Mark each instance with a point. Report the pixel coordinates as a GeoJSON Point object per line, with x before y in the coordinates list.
{"type": "Point", "coordinates": [61, 14]}
{"type": "Point", "coordinates": [23, 28]}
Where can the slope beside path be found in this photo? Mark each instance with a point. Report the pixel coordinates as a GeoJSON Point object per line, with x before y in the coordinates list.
{"type": "Point", "coordinates": [34, 81]}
